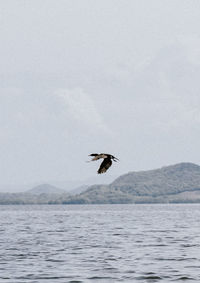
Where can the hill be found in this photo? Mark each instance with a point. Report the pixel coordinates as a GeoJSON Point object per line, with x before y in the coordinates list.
{"type": "Point", "coordinates": [179, 183]}
{"type": "Point", "coordinates": [45, 189]}
{"type": "Point", "coordinates": [167, 180]}
{"type": "Point", "coordinates": [78, 190]}
{"type": "Point", "coordinates": [175, 183]}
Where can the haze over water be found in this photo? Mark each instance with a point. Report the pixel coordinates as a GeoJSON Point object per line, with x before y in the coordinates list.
{"type": "Point", "coordinates": [100, 243]}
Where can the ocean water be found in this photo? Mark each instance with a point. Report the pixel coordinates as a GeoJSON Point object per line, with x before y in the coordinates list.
{"type": "Point", "coordinates": [103, 243]}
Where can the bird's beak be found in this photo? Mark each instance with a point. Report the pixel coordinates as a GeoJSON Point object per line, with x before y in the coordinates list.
{"type": "Point", "coordinates": [116, 159]}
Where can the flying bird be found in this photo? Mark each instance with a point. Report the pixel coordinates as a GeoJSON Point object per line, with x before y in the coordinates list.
{"type": "Point", "coordinates": [106, 163]}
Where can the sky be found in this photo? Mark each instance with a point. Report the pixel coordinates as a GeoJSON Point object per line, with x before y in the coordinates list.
{"type": "Point", "coordinates": [84, 76]}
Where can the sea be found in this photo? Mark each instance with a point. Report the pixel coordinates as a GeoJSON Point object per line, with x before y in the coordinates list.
{"type": "Point", "coordinates": [100, 243]}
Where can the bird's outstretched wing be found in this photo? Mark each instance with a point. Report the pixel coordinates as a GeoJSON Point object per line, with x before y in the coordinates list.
{"type": "Point", "coordinates": [104, 165]}
{"type": "Point", "coordinates": [97, 156]}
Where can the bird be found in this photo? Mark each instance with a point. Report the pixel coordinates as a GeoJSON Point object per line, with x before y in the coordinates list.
{"type": "Point", "coordinates": [106, 163]}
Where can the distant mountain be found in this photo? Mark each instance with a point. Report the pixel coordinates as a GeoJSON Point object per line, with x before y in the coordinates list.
{"type": "Point", "coordinates": [178, 183]}
{"type": "Point", "coordinates": [69, 186]}
{"type": "Point", "coordinates": [175, 183]}
{"type": "Point", "coordinates": [79, 190]}
{"type": "Point", "coordinates": [78, 185]}
{"type": "Point", "coordinates": [42, 194]}
{"type": "Point", "coordinates": [167, 180]}
{"type": "Point", "coordinates": [99, 179]}
{"type": "Point", "coordinates": [45, 189]}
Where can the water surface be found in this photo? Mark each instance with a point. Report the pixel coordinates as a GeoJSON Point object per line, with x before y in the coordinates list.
{"type": "Point", "coordinates": [104, 243]}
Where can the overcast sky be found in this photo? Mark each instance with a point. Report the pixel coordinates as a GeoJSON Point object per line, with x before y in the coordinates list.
{"type": "Point", "coordinates": [83, 76]}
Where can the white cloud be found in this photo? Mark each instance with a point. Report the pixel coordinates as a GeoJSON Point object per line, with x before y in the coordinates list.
{"type": "Point", "coordinates": [192, 45]}
{"type": "Point", "coordinates": [80, 107]}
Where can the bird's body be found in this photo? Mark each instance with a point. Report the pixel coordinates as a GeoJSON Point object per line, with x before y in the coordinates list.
{"type": "Point", "coordinates": [106, 163]}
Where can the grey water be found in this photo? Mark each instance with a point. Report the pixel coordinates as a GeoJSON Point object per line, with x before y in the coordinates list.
{"type": "Point", "coordinates": [100, 243]}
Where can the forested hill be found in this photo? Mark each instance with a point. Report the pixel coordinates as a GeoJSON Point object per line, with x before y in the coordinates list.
{"type": "Point", "coordinates": [167, 180]}
{"type": "Point", "coordinates": [175, 183]}
{"type": "Point", "coordinates": [171, 184]}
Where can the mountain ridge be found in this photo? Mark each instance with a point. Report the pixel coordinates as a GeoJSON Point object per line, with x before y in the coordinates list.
{"type": "Point", "coordinates": [177, 183]}
{"type": "Point", "coordinates": [157, 185]}
{"type": "Point", "coordinates": [45, 189]}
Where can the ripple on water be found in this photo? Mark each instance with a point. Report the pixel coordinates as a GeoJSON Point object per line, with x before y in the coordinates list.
{"type": "Point", "coordinates": [105, 243]}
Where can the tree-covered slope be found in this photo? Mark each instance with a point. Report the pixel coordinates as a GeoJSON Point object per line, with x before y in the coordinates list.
{"type": "Point", "coordinates": [167, 180]}
{"type": "Point", "coordinates": [176, 183]}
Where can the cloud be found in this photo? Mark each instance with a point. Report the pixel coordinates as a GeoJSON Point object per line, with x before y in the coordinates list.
{"type": "Point", "coordinates": [81, 108]}
{"type": "Point", "coordinates": [191, 44]}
